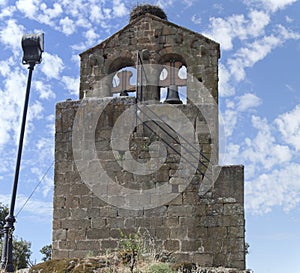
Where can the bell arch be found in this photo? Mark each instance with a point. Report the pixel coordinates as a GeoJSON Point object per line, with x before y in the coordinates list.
{"type": "Point", "coordinates": [124, 82]}
{"type": "Point", "coordinates": [121, 75]}
{"type": "Point", "coordinates": [173, 79]}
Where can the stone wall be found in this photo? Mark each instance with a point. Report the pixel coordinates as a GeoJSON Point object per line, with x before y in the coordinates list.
{"type": "Point", "coordinates": [109, 179]}
{"type": "Point", "coordinates": [201, 226]}
{"type": "Point", "coordinates": [163, 41]}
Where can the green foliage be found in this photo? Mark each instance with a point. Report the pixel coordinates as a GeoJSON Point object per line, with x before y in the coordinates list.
{"type": "Point", "coordinates": [3, 214]}
{"type": "Point", "coordinates": [89, 254]}
{"type": "Point", "coordinates": [21, 253]}
{"type": "Point", "coordinates": [132, 242]}
{"type": "Point", "coordinates": [159, 268]}
{"type": "Point", "coordinates": [47, 252]}
{"type": "Point", "coordinates": [131, 247]}
{"type": "Point", "coordinates": [21, 248]}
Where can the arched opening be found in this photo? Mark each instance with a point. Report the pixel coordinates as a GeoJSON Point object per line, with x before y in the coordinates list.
{"type": "Point", "coordinates": [124, 82]}
{"type": "Point", "coordinates": [173, 82]}
{"type": "Point", "coordinates": [122, 76]}
{"type": "Point", "coordinates": [182, 90]}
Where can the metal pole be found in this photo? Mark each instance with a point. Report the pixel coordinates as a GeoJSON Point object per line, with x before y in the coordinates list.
{"type": "Point", "coordinates": [137, 90]}
{"type": "Point", "coordinates": [6, 260]}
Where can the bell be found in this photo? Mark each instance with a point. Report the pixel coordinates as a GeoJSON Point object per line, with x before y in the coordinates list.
{"type": "Point", "coordinates": [172, 95]}
{"type": "Point", "coordinates": [124, 93]}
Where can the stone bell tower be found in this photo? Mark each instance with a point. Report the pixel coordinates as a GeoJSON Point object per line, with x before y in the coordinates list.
{"type": "Point", "coordinates": [140, 149]}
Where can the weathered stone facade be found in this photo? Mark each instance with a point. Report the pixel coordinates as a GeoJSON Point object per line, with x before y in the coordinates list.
{"type": "Point", "coordinates": [164, 41]}
{"type": "Point", "coordinates": [200, 223]}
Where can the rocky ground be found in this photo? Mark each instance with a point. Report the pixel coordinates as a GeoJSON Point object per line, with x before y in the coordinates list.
{"type": "Point", "coordinates": [109, 264]}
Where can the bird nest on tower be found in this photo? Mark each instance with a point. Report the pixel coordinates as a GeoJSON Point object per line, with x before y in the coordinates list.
{"type": "Point", "coordinates": [151, 9]}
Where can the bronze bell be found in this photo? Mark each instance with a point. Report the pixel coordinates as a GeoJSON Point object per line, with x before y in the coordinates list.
{"type": "Point", "coordinates": [173, 95]}
{"type": "Point", "coordinates": [124, 93]}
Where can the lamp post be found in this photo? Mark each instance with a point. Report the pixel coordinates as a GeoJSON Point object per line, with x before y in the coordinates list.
{"type": "Point", "coordinates": [33, 46]}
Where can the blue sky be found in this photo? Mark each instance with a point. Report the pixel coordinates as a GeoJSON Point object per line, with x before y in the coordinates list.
{"type": "Point", "coordinates": [259, 92]}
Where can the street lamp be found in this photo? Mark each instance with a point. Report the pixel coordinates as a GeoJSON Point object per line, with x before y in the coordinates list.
{"type": "Point", "coordinates": [33, 46]}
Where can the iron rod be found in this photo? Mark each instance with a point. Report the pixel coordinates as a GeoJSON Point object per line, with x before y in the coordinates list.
{"type": "Point", "coordinates": [7, 259]}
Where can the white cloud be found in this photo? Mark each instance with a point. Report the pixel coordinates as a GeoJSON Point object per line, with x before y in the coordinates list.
{"type": "Point", "coordinates": [289, 127]}
{"type": "Point", "coordinates": [119, 8]}
{"type": "Point", "coordinates": [11, 103]}
{"type": "Point", "coordinates": [289, 19]}
{"type": "Point", "coordinates": [290, 88]}
{"type": "Point", "coordinates": [237, 26]}
{"type": "Point", "coordinates": [287, 34]}
{"type": "Point", "coordinates": [46, 186]}
{"type": "Point", "coordinates": [34, 206]}
{"type": "Point", "coordinates": [51, 118]}
{"type": "Point", "coordinates": [11, 35]}
{"type": "Point", "coordinates": [258, 21]}
{"type": "Point", "coordinates": [69, 16]}
{"type": "Point", "coordinates": [49, 13]}
{"type": "Point", "coordinates": [231, 154]}
{"type": "Point", "coordinates": [68, 26]}
{"type": "Point", "coordinates": [52, 66]}
{"type": "Point", "coordinates": [3, 2]}
{"type": "Point", "coordinates": [76, 60]}
{"type": "Point", "coordinates": [44, 90]}
{"type": "Point", "coordinates": [250, 55]}
{"type": "Point", "coordinates": [278, 188]}
{"type": "Point", "coordinates": [6, 66]}
{"type": "Point", "coordinates": [189, 3]}
{"type": "Point", "coordinates": [7, 11]}
{"type": "Point", "coordinates": [45, 148]}
{"type": "Point", "coordinates": [263, 151]}
{"type": "Point", "coordinates": [164, 3]}
{"type": "Point", "coordinates": [51, 126]}
{"type": "Point", "coordinates": [248, 101]}
{"type": "Point", "coordinates": [91, 37]}
{"type": "Point", "coordinates": [219, 7]}
{"type": "Point", "coordinates": [84, 23]}
{"type": "Point", "coordinates": [42, 144]}
{"type": "Point", "coordinates": [79, 47]}
{"type": "Point", "coordinates": [107, 13]}
{"type": "Point", "coordinates": [35, 111]}
{"type": "Point", "coordinates": [220, 31]}
{"type": "Point", "coordinates": [230, 117]}
{"type": "Point", "coordinates": [271, 5]}
{"type": "Point", "coordinates": [196, 20]}
{"type": "Point", "coordinates": [96, 14]}
{"type": "Point", "coordinates": [225, 88]}
{"type": "Point", "coordinates": [235, 107]}
{"type": "Point", "coordinates": [72, 84]}
{"type": "Point", "coordinates": [272, 171]}
{"type": "Point", "coordinates": [28, 7]}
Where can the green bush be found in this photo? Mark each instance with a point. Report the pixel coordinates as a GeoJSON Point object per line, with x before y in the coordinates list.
{"type": "Point", "coordinates": [159, 268]}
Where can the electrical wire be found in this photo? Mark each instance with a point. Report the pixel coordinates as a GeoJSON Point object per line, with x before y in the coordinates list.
{"type": "Point", "coordinates": [35, 188]}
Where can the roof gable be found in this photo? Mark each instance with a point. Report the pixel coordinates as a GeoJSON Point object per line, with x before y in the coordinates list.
{"type": "Point", "coordinates": [137, 23]}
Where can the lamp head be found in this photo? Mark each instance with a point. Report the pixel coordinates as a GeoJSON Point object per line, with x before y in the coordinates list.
{"type": "Point", "coordinates": [33, 46]}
